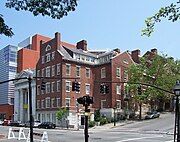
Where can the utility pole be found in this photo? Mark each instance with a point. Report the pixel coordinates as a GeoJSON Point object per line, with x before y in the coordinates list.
{"type": "Point", "coordinates": [86, 124]}
{"type": "Point", "coordinates": [30, 109]}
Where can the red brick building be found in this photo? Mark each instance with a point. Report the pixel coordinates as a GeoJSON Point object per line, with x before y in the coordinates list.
{"type": "Point", "coordinates": [64, 61]}
{"type": "Point", "coordinates": [29, 55]}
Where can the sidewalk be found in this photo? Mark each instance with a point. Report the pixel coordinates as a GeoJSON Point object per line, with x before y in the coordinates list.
{"type": "Point", "coordinates": [111, 125]}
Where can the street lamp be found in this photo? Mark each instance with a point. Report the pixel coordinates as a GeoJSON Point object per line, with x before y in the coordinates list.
{"type": "Point", "coordinates": [177, 117]}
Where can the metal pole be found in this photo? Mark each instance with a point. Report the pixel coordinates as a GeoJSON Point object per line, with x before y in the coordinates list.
{"type": "Point", "coordinates": [30, 109]}
{"type": "Point", "coordinates": [140, 109]}
{"type": "Point", "coordinates": [86, 125]}
{"type": "Point", "coordinates": [177, 123]}
{"type": "Point", "coordinates": [114, 116]}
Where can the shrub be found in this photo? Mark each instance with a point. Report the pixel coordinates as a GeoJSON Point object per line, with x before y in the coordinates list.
{"type": "Point", "coordinates": [103, 121]}
{"type": "Point", "coordinates": [91, 123]}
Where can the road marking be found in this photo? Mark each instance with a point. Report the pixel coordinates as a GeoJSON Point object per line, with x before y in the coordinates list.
{"type": "Point", "coordinates": [133, 139]}
{"type": "Point", "coordinates": [170, 141]}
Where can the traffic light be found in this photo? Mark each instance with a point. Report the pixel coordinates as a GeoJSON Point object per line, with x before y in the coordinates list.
{"type": "Point", "coordinates": [76, 86]}
{"type": "Point", "coordinates": [139, 90]}
{"type": "Point", "coordinates": [104, 89]}
{"type": "Point", "coordinates": [107, 89]}
{"type": "Point", "coordinates": [85, 100]}
{"type": "Point", "coordinates": [43, 85]}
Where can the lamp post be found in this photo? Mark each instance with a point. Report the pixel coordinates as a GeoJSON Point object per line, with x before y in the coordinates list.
{"type": "Point", "coordinates": [114, 108]}
{"type": "Point", "coordinates": [177, 117]}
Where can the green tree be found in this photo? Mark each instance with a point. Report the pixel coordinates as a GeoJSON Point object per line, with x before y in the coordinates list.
{"type": "Point", "coordinates": [161, 71]}
{"type": "Point", "coordinates": [53, 8]}
{"type": "Point", "coordinates": [61, 113]}
{"type": "Point", "coordinates": [170, 12]}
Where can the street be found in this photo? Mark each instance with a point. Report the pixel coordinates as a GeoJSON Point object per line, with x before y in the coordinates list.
{"type": "Point", "coordinates": [156, 130]}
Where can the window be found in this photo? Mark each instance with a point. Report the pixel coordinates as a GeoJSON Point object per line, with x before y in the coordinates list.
{"type": "Point", "coordinates": [118, 104]}
{"type": "Point", "coordinates": [58, 69]}
{"type": "Point", "coordinates": [52, 86]}
{"type": "Point", "coordinates": [48, 72]}
{"type": "Point", "coordinates": [68, 69]}
{"type": "Point", "coordinates": [67, 102]}
{"type": "Point", "coordinates": [38, 73]}
{"type": "Point", "coordinates": [125, 75]}
{"type": "Point", "coordinates": [125, 61]}
{"type": "Point", "coordinates": [38, 104]}
{"type": "Point", "coordinates": [103, 73]}
{"type": "Point", "coordinates": [58, 102]}
{"type": "Point", "coordinates": [48, 57]}
{"type": "Point", "coordinates": [53, 103]}
{"type": "Point", "coordinates": [87, 88]}
{"type": "Point", "coordinates": [53, 70]}
{"type": "Point", "coordinates": [88, 72]}
{"type": "Point", "coordinates": [48, 102]}
{"type": "Point", "coordinates": [103, 103]}
{"type": "Point", "coordinates": [118, 89]}
{"type": "Point", "coordinates": [38, 89]}
{"type": "Point", "coordinates": [53, 55]}
{"type": "Point", "coordinates": [78, 71]}
{"type": "Point", "coordinates": [42, 104]}
{"type": "Point", "coordinates": [118, 72]}
{"type": "Point", "coordinates": [42, 73]}
{"type": "Point", "coordinates": [42, 59]}
{"type": "Point", "coordinates": [48, 47]}
{"type": "Point", "coordinates": [58, 86]}
{"type": "Point", "coordinates": [48, 87]}
{"type": "Point", "coordinates": [68, 83]}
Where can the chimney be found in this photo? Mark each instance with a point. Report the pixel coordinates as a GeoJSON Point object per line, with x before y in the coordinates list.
{"type": "Point", "coordinates": [57, 39]}
{"type": "Point", "coordinates": [154, 51]}
{"type": "Point", "coordinates": [135, 55]}
{"type": "Point", "coordinates": [82, 45]}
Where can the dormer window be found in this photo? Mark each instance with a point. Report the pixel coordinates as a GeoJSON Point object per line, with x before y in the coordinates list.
{"type": "Point", "coordinates": [48, 47]}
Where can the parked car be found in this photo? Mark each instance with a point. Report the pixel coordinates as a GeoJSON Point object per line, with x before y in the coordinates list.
{"type": "Point", "coordinates": [15, 123]}
{"type": "Point", "coordinates": [6, 122]}
{"type": "Point", "coordinates": [1, 122]}
{"type": "Point", "coordinates": [35, 124]}
{"type": "Point", "coordinates": [151, 115]}
{"type": "Point", "coordinates": [47, 125]}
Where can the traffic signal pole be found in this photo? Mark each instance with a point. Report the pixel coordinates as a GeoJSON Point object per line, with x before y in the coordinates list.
{"type": "Point", "coordinates": [86, 135]}
{"type": "Point", "coordinates": [30, 109]}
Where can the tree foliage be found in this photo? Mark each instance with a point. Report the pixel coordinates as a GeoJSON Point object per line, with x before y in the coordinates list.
{"type": "Point", "coordinates": [53, 8]}
{"type": "Point", "coordinates": [61, 113]}
{"type": "Point", "coordinates": [4, 29]}
{"type": "Point", "coordinates": [161, 71]}
{"type": "Point", "coordinates": [170, 12]}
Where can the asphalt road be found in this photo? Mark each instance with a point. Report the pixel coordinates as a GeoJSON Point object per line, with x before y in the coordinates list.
{"type": "Point", "coordinates": [155, 130]}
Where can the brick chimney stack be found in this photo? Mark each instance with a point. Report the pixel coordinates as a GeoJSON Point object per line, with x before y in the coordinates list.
{"type": "Point", "coordinates": [135, 55]}
{"type": "Point", "coordinates": [82, 45]}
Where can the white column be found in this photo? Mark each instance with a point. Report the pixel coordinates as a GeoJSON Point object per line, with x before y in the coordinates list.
{"type": "Point", "coordinates": [21, 104]}
{"type": "Point", "coordinates": [16, 105]}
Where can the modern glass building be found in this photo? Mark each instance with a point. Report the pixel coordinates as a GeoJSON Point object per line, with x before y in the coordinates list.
{"type": "Point", "coordinates": [8, 67]}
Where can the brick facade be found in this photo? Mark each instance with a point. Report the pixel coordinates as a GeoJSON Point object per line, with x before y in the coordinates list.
{"type": "Point", "coordinates": [79, 59]}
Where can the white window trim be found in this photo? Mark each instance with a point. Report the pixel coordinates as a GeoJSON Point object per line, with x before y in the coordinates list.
{"type": "Point", "coordinates": [48, 83]}
{"type": "Point", "coordinates": [87, 84]}
{"type": "Point", "coordinates": [53, 70]}
{"type": "Point", "coordinates": [89, 72]}
{"type": "Point", "coordinates": [48, 57]}
{"type": "Point", "coordinates": [48, 69]}
{"type": "Point", "coordinates": [57, 102]}
{"type": "Point", "coordinates": [67, 81]}
{"type": "Point", "coordinates": [118, 68]}
{"type": "Point", "coordinates": [79, 71]}
{"type": "Point", "coordinates": [69, 69]}
{"type": "Point", "coordinates": [48, 99]}
{"type": "Point", "coordinates": [69, 100]}
{"type": "Point", "coordinates": [52, 86]}
{"type": "Point", "coordinates": [103, 74]}
{"type": "Point", "coordinates": [118, 89]}
{"type": "Point", "coordinates": [48, 47]}
{"type": "Point", "coordinates": [58, 69]}
{"type": "Point", "coordinates": [102, 103]}
{"type": "Point", "coordinates": [57, 89]}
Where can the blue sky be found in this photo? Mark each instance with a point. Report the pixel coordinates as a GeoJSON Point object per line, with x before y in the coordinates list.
{"type": "Point", "coordinates": [105, 24]}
